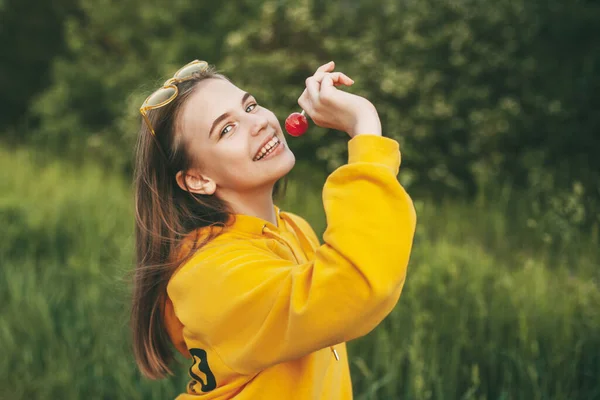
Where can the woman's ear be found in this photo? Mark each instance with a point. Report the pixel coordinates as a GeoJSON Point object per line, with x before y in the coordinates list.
{"type": "Point", "coordinates": [195, 183]}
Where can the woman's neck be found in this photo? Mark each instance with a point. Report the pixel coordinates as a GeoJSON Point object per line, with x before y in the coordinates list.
{"type": "Point", "coordinates": [257, 204]}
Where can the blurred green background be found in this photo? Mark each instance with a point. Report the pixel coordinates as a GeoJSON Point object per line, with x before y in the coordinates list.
{"type": "Point", "coordinates": [496, 105]}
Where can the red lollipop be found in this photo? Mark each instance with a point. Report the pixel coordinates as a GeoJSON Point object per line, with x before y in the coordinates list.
{"type": "Point", "coordinates": [296, 124]}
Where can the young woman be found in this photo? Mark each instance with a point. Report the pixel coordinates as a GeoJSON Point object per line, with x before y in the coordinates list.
{"type": "Point", "coordinates": [243, 289]}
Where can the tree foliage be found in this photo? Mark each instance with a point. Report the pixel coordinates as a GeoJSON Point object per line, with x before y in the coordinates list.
{"type": "Point", "coordinates": [30, 36]}
{"type": "Point", "coordinates": [478, 92]}
{"type": "Point", "coordinates": [474, 89]}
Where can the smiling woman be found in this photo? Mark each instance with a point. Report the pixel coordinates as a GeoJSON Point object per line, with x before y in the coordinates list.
{"type": "Point", "coordinates": [226, 129]}
{"type": "Point", "coordinates": [243, 289]}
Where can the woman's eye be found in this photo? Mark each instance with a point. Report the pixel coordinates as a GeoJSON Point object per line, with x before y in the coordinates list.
{"type": "Point", "coordinates": [226, 130]}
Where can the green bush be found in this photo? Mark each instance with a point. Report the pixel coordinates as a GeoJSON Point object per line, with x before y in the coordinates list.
{"type": "Point", "coordinates": [502, 90]}
{"type": "Point", "coordinates": [475, 323]}
{"type": "Point", "coordinates": [484, 314]}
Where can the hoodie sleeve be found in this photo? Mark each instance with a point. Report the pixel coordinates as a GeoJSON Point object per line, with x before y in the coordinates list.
{"type": "Point", "coordinates": [256, 309]}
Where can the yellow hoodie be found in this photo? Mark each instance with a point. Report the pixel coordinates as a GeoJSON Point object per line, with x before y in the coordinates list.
{"type": "Point", "coordinates": [264, 310]}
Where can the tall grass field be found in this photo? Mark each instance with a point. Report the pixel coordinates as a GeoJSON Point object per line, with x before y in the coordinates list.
{"type": "Point", "coordinates": [487, 311]}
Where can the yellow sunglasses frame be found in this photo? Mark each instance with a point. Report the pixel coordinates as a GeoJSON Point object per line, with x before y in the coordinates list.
{"type": "Point", "coordinates": [170, 83]}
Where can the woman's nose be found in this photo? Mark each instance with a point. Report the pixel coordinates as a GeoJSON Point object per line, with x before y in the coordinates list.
{"type": "Point", "coordinates": [259, 122]}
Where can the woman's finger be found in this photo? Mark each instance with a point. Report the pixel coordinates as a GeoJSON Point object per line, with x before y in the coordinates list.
{"type": "Point", "coordinates": [303, 101]}
{"type": "Point", "coordinates": [342, 79]}
{"type": "Point", "coordinates": [327, 87]}
{"type": "Point", "coordinates": [338, 78]}
{"type": "Point", "coordinates": [330, 66]}
{"type": "Point", "coordinates": [313, 83]}
{"type": "Point", "coordinates": [312, 86]}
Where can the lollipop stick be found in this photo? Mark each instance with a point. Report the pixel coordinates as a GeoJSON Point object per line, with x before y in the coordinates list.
{"type": "Point", "coordinates": [303, 113]}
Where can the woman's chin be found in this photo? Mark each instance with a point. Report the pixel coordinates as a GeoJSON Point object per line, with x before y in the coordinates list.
{"type": "Point", "coordinates": [283, 165]}
{"type": "Point", "coordinates": [289, 161]}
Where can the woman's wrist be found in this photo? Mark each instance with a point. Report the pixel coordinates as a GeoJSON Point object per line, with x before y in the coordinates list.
{"type": "Point", "coordinates": [368, 123]}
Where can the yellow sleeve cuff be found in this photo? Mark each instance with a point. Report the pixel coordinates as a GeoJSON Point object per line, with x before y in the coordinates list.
{"type": "Point", "coordinates": [375, 149]}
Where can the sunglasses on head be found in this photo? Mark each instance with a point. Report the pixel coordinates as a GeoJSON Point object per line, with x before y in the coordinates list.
{"type": "Point", "coordinates": [169, 91]}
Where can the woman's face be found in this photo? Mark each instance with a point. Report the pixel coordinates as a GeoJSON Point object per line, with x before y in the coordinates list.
{"type": "Point", "coordinates": [225, 128]}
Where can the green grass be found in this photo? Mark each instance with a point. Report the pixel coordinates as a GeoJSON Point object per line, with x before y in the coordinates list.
{"type": "Point", "coordinates": [488, 311]}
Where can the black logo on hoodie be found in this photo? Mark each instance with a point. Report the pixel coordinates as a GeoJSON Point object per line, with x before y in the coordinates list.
{"type": "Point", "coordinates": [201, 364]}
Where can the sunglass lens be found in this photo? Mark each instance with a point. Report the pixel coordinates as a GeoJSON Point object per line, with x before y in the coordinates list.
{"type": "Point", "coordinates": [190, 69]}
{"type": "Point", "coordinates": [160, 96]}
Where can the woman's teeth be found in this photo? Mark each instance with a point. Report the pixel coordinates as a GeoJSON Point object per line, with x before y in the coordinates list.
{"type": "Point", "coordinates": [268, 148]}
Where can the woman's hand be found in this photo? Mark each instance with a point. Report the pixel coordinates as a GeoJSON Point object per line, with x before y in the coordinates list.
{"type": "Point", "coordinates": [329, 107]}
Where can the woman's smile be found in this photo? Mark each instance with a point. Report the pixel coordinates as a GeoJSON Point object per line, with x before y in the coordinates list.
{"type": "Point", "coordinates": [271, 148]}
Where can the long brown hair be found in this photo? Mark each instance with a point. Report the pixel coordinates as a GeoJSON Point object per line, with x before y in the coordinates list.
{"type": "Point", "coordinates": [164, 215]}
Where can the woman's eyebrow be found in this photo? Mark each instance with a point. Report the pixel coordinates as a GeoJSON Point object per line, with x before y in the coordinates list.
{"type": "Point", "coordinates": [226, 115]}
